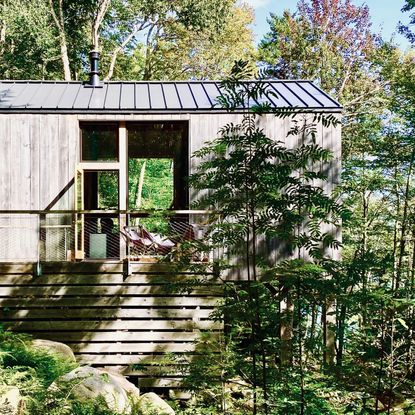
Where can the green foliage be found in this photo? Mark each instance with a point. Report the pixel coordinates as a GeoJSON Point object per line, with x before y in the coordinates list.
{"type": "Point", "coordinates": [28, 48]}
{"type": "Point", "coordinates": [274, 188]}
{"type": "Point", "coordinates": [373, 287]}
{"type": "Point", "coordinates": [183, 53]}
{"type": "Point", "coordinates": [277, 196]}
{"type": "Point", "coordinates": [143, 39]}
{"type": "Point", "coordinates": [328, 42]}
{"type": "Point", "coordinates": [17, 352]}
{"type": "Point", "coordinates": [108, 190]}
{"type": "Point", "coordinates": [406, 30]}
{"type": "Point", "coordinates": [157, 186]}
{"type": "Point", "coordinates": [33, 371]}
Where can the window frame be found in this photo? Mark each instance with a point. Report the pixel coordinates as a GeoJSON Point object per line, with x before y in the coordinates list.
{"type": "Point", "coordinates": [116, 127]}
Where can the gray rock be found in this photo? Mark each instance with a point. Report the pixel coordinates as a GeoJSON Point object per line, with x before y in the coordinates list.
{"type": "Point", "coordinates": [119, 394]}
{"type": "Point", "coordinates": [152, 404]}
{"type": "Point", "coordinates": [11, 402]}
{"type": "Point", "coordinates": [55, 348]}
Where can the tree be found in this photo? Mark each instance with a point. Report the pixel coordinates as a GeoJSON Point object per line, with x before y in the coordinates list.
{"type": "Point", "coordinates": [180, 53]}
{"type": "Point", "coordinates": [373, 284]}
{"type": "Point", "coordinates": [137, 39]}
{"type": "Point", "coordinates": [275, 197]}
{"type": "Point", "coordinates": [406, 30]}
{"type": "Point", "coordinates": [331, 43]}
{"type": "Point", "coordinates": [111, 27]}
{"type": "Point", "coordinates": [28, 47]}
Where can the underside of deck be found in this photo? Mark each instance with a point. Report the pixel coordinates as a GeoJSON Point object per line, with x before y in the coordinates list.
{"type": "Point", "coordinates": [125, 321]}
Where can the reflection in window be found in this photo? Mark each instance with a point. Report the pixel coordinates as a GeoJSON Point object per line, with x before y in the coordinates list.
{"type": "Point", "coordinates": [99, 142]}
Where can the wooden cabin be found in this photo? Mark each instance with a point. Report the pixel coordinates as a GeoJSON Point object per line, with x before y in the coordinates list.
{"type": "Point", "coordinates": [68, 271]}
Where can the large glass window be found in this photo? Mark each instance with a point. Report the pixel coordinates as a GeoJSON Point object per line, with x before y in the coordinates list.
{"type": "Point", "coordinates": [99, 142]}
{"type": "Point", "coordinates": [157, 165]}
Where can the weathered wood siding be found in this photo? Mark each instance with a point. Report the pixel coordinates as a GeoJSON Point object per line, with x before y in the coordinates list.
{"type": "Point", "coordinates": [39, 153]}
{"type": "Point", "coordinates": [206, 126]}
{"type": "Point", "coordinates": [109, 319]}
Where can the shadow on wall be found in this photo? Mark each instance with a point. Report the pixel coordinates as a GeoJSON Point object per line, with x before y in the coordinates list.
{"type": "Point", "coordinates": [125, 323]}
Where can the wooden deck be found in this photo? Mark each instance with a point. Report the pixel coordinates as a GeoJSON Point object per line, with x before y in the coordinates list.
{"type": "Point", "coordinates": [110, 319]}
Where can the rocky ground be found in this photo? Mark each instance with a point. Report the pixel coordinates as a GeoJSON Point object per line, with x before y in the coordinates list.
{"type": "Point", "coordinates": [88, 384]}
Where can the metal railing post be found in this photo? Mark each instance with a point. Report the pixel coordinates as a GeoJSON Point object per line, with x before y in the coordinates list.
{"type": "Point", "coordinates": [129, 270]}
{"type": "Point", "coordinates": [38, 271]}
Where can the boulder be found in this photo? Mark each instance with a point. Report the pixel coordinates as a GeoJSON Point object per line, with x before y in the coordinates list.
{"type": "Point", "coordinates": [152, 404]}
{"type": "Point", "coordinates": [11, 402]}
{"type": "Point", "coordinates": [54, 348]}
{"type": "Point", "coordinates": [89, 383]}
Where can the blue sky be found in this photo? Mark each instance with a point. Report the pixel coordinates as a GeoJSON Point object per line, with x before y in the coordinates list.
{"type": "Point", "coordinates": [385, 15]}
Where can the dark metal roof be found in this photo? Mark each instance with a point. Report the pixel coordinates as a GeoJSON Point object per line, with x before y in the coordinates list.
{"type": "Point", "coordinates": [148, 97]}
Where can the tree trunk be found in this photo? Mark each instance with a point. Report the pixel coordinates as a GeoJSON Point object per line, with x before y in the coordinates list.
{"type": "Point", "coordinates": [404, 224]}
{"type": "Point", "coordinates": [60, 25]}
{"type": "Point", "coordinates": [286, 330]}
{"type": "Point", "coordinates": [65, 58]}
{"type": "Point", "coordinates": [117, 50]}
{"type": "Point", "coordinates": [140, 185]}
{"type": "Point", "coordinates": [329, 334]}
{"type": "Point", "coordinates": [96, 24]}
{"type": "Point", "coordinates": [366, 198]}
{"type": "Point", "coordinates": [341, 328]}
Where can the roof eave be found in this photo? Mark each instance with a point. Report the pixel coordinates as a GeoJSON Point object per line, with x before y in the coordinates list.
{"type": "Point", "coordinates": [161, 111]}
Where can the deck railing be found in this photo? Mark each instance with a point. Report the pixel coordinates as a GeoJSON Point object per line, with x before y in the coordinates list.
{"type": "Point", "coordinates": [70, 235]}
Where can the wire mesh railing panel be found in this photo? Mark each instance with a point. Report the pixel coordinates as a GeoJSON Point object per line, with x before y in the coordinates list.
{"type": "Point", "coordinates": [56, 237]}
{"type": "Point", "coordinates": [19, 237]}
{"type": "Point", "coordinates": [48, 236]}
{"type": "Point", "coordinates": [177, 235]}
{"type": "Point", "coordinates": [101, 235]}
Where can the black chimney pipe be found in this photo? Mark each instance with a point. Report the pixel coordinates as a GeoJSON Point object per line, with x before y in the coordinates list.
{"type": "Point", "coordinates": [94, 74]}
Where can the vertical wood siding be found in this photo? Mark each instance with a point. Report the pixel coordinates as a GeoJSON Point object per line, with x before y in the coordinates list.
{"type": "Point", "coordinates": [39, 153]}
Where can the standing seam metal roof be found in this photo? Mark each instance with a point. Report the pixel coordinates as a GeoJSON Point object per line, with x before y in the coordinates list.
{"type": "Point", "coordinates": [145, 97]}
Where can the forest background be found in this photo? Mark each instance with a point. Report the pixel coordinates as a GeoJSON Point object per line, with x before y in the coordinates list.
{"type": "Point", "coordinates": [366, 314]}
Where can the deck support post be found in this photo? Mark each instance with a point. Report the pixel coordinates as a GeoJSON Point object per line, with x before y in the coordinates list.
{"type": "Point", "coordinates": [123, 184]}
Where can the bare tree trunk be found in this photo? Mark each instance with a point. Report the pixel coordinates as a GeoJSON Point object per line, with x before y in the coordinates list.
{"type": "Point", "coordinates": [60, 25]}
{"type": "Point", "coordinates": [366, 198]}
{"type": "Point", "coordinates": [147, 59]}
{"type": "Point", "coordinates": [404, 224]}
{"type": "Point", "coordinates": [341, 329]}
{"type": "Point", "coordinates": [309, 345]}
{"type": "Point", "coordinates": [300, 349]}
{"type": "Point", "coordinates": [140, 185]}
{"type": "Point", "coordinates": [2, 32]}
{"type": "Point", "coordinates": [382, 360]}
{"type": "Point", "coordinates": [411, 315]}
{"type": "Point", "coordinates": [286, 329]}
{"type": "Point", "coordinates": [96, 25]}
{"type": "Point", "coordinates": [330, 333]}
{"type": "Point", "coordinates": [120, 48]}
{"type": "Point", "coordinates": [391, 362]}
{"type": "Point", "coordinates": [396, 226]}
